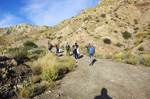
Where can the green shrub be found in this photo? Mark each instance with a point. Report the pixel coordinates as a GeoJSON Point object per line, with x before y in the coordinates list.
{"type": "Point", "coordinates": [29, 45]}
{"type": "Point", "coordinates": [127, 49]}
{"type": "Point", "coordinates": [39, 51]}
{"type": "Point", "coordinates": [97, 20]}
{"type": "Point", "coordinates": [108, 56]}
{"type": "Point", "coordinates": [141, 35]}
{"type": "Point", "coordinates": [36, 54]}
{"type": "Point", "coordinates": [34, 79]}
{"type": "Point", "coordinates": [36, 69]}
{"type": "Point", "coordinates": [33, 56]}
{"type": "Point", "coordinates": [50, 67]}
{"type": "Point", "coordinates": [49, 74]}
{"type": "Point", "coordinates": [60, 37]}
{"type": "Point", "coordinates": [146, 60]}
{"type": "Point", "coordinates": [27, 91]}
{"type": "Point", "coordinates": [128, 22]}
{"type": "Point", "coordinates": [141, 48]}
{"type": "Point", "coordinates": [98, 55]}
{"type": "Point", "coordinates": [126, 35]}
{"type": "Point", "coordinates": [136, 28]}
{"type": "Point", "coordinates": [118, 56]}
{"type": "Point", "coordinates": [66, 63]}
{"type": "Point", "coordinates": [107, 41]}
{"type": "Point", "coordinates": [132, 60]}
{"type": "Point", "coordinates": [135, 21]}
{"type": "Point", "coordinates": [137, 43]}
{"type": "Point", "coordinates": [17, 53]}
{"type": "Point", "coordinates": [115, 31]}
{"type": "Point", "coordinates": [129, 60]}
{"type": "Point", "coordinates": [118, 44]}
{"type": "Point", "coordinates": [103, 15]}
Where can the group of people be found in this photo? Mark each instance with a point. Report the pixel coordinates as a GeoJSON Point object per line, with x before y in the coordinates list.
{"type": "Point", "coordinates": [75, 50]}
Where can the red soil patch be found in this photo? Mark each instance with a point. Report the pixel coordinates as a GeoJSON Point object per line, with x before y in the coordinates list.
{"type": "Point", "coordinates": [143, 4]}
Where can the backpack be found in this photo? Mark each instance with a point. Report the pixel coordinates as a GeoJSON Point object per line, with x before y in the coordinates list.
{"type": "Point", "coordinates": [56, 46]}
{"type": "Point", "coordinates": [67, 47]}
{"type": "Point", "coordinates": [50, 47]}
{"type": "Point", "coordinates": [92, 50]}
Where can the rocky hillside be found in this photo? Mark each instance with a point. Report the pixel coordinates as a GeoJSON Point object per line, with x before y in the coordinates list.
{"type": "Point", "coordinates": [22, 28]}
{"type": "Point", "coordinates": [111, 26]}
{"type": "Point", "coordinates": [107, 25]}
{"type": "Point", "coordinates": [20, 33]}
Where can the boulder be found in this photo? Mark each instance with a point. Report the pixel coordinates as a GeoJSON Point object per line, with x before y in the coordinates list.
{"type": "Point", "coordinates": [14, 62]}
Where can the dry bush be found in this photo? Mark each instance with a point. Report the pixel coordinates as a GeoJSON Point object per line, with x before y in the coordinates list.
{"type": "Point", "coordinates": [118, 56]}
{"type": "Point", "coordinates": [27, 91]}
{"type": "Point", "coordinates": [146, 59]}
{"type": "Point", "coordinates": [17, 53]}
{"type": "Point", "coordinates": [34, 79]}
{"type": "Point", "coordinates": [51, 67]}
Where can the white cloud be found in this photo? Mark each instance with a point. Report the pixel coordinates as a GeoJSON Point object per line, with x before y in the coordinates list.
{"type": "Point", "coordinates": [8, 20]}
{"type": "Point", "coordinates": [51, 12]}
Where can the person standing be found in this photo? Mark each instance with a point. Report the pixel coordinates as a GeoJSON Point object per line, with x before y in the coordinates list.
{"type": "Point", "coordinates": [75, 51]}
{"type": "Point", "coordinates": [91, 53]}
{"type": "Point", "coordinates": [67, 49]}
{"type": "Point", "coordinates": [78, 51]}
{"type": "Point", "coordinates": [50, 46]}
{"type": "Point", "coordinates": [57, 48]}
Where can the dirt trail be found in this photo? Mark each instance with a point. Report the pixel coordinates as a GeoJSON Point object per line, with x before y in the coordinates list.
{"type": "Point", "coordinates": [122, 81]}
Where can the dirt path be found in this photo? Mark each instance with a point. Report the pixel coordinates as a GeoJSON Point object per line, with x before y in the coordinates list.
{"type": "Point", "coordinates": [122, 81]}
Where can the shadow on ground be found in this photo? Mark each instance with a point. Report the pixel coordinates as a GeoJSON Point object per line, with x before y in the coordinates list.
{"type": "Point", "coordinates": [103, 95]}
{"type": "Point", "coordinates": [80, 56]}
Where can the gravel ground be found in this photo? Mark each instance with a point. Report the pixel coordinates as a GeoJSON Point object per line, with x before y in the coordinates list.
{"type": "Point", "coordinates": [118, 81]}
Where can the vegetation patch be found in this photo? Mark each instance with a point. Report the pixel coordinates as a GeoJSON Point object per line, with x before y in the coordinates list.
{"type": "Point", "coordinates": [60, 37]}
{"type": "Point", "coordinates": [29, 45]}
{"type": "Point", "coordinates": [27, 91]}
{"type": "Point", "coordinates": [141, 35]}
{"type": "Point", "coordinates": [103, 15]}
{"type": "Point", "coordinates": [17, 53]}
{"type": "Point", "coordinates": [119, 44]}
{"type": "Point", "coordinates": [118, 56]}
{"type": "Point", "coordinates": [146, 59]}
{"type": "Point", "coordinates": [135, 21]}
{"type": "Point", "coordinates": [115, 31]}
{"type": "Point", "coordinates": [49, 67]}
{"type": "Point", "coordinates": [107, 41]}
{"type": "Point", "coordinates": [126, 35]}
{"type": "Point", "coordinates": [136, 28]}
{"type": "Point", "coordinates": [141, 48]}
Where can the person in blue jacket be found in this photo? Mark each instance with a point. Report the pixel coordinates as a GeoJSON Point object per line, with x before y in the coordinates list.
{"type": "Point", "coordinates": [91, 53]}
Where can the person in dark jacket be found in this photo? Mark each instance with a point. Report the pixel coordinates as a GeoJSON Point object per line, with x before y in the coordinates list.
{"type": "Point", "coordinates": [75, 51]}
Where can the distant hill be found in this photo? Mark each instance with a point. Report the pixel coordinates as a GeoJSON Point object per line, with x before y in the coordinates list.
{"type": "Point", "coordinates": [22, 28]}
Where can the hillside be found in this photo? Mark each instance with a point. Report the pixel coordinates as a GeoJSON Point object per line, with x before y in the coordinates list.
{"type": "Point", "coordinates": [111, 26]}
{"type": "Point", "coordinates": [104, 25]}
{"type": "Point", "coordinates": [22, 28]}
{"type": "Point", "coordinates": [19, 32]}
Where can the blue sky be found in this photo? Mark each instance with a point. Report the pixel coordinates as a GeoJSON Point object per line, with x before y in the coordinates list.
{"type": "Point", "coordinates": [40, 12]}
